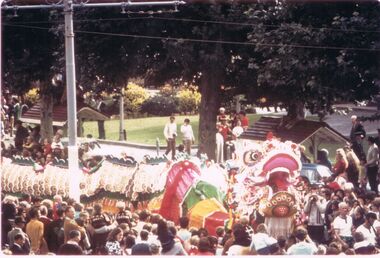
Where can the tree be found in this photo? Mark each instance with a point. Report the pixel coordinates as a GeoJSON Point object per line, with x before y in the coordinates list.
{"type": "Point", "coordinates": [108, 57]}
{"type": "Point", "coordinates": [207, 64]}
{"type": "Point", "coordinates": [300, 54]}
{"type": "Point", "coordinates": [309, 54]}
{"type": "Point", "coordinates": [31, 58]}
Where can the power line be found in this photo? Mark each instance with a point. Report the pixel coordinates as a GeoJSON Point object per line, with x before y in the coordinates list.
{"type": "Point", "coordinates": [195, 21]}
{"type": "Point", "coordinates": [206, 40]}
{"type": "Point", "coordinates": [253, 24]}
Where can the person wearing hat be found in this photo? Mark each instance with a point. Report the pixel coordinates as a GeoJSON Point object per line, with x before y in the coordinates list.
{"type": "Point", "coordinates": [221, 116]}
{"type": "Point", "coordinates": [18, 230]}
{"type": "Point", "coordinates": [372, 164]}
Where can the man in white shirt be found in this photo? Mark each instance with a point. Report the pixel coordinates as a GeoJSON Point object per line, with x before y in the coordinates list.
{"type": "Point", "coordinates": [372, 163]}
{"type": "Point", "coordinates": [187, 135]}
{"type": "Point", "coordinates": [342, 225]}
{"type": "Point", "coordinates": [170, 133]}
{"type": "Point", "coordinates": [368, 229]}
{"type": "Point", "coordinates": [261, 242]}
{"type": "Point", "coordinates": [183, 233]}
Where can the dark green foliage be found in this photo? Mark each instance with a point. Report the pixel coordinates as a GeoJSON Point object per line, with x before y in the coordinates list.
{"type": "Point", "coordinates": [160, 106]}
{"type": "Point", "coordinates": [309, 53]}
{"type": "Point", "coordinates": [300, 54]}
{"type": "Point", "coordinates": [32, 55]}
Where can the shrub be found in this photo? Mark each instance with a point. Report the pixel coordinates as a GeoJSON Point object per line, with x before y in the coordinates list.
{"type": "Point", "coordinates": [167, 91]}
{"type": "Point", "coordinates": [31, 97]}
{"type": "Point", "coordinates": [134, 97]}
{"type": "Point", "coordinates": [188, 100]}
{"type": "Point", "coordinates": [160, 106]}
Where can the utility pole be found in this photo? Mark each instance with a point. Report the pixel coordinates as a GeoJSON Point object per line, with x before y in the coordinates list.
{"type": "Point", "coordinates": [121, 126]}
{"type": "Point", "coordinates": [71, 101]}
{"type": "Point", "coordinates": [68, 9]}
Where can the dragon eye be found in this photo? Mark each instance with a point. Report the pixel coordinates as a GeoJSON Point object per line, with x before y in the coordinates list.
{"type": "Point", "coordinates": [252, 157]}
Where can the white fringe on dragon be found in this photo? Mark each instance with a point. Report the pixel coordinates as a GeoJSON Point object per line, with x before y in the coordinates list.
{"type": "Point", "coordinates": [267, 183]}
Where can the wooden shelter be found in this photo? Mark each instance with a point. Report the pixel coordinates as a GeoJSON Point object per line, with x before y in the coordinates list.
{"type": "Point", "coordinates": [306, 132]}
{"type": "Point", "coordinates": [59, 116]}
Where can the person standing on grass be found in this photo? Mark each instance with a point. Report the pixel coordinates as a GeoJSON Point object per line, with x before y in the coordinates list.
{"type": "Point", "coordinates": [170, 133]}
{"type": "Point", "coordinates": [187, 135]}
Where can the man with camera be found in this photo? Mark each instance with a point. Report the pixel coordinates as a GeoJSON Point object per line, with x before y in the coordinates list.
{"type": "Point", "coordinates": [315, 208]}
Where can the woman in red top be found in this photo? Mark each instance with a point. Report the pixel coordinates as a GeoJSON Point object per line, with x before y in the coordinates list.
{"type": "Point", "coordinates": [341, 163]}
{"type": "Point", "coordinates": [224, 129]}
{"type": "Point", "coordinates": [244, 120]}
{"type": "Point", "coordinates": [47, 147]}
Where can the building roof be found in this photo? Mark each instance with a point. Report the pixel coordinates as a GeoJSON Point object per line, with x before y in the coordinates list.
{"type": "Point", "coordinates": [32, 116]}
{"type": "Point", "coordinates": [297, 131]}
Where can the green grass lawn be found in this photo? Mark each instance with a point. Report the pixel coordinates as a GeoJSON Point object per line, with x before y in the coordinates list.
{"type": "Point", "coordinates": [146, 130]}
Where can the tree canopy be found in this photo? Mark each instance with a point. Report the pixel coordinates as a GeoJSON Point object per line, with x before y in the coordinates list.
{"type": "Point", "coordinates": [316, 54]}
{"type": "Point", "coordinates": [294, 55]}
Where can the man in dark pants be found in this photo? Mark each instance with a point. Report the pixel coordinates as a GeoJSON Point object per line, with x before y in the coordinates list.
{"type": "Point", "coordinates": [372, 164]}
{"type": "Point", "coordinates": [356, 129]}
{"type": "Point", "coordinates": [170, 133]}
{"type": "Point", "coordinates": [315, 208]}
{"type": "Point", "coordinates": [358, 149]}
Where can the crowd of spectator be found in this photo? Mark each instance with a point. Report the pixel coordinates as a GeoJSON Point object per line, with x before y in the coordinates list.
{"type": "Point", "coordinates": [27, 143]}
{"type": "Point", "coordinates": [330, 222]}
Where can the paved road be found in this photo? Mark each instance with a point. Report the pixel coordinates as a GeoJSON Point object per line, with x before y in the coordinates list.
{"type": "Point", "coordinates": [116, 149]}
{"type": "Point", "coordinates": [342, 123]}
{"type": "Point", "coordinates": [339, 122]}
{"type": "Point", "coordinates": [138, 152]}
